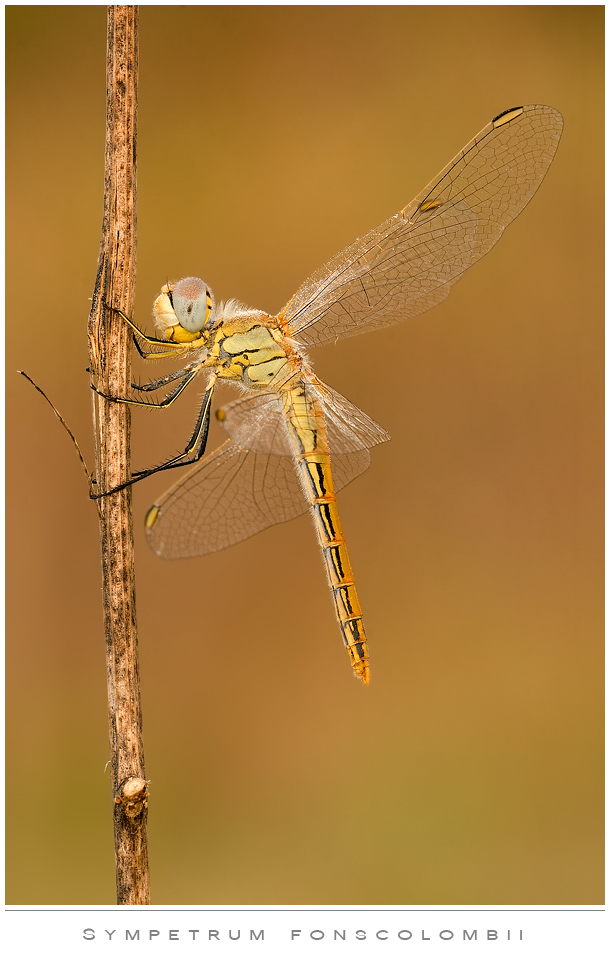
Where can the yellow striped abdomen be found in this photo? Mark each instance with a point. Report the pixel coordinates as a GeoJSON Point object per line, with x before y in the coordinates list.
{"type": "Point", "coordinates": [307, 430]}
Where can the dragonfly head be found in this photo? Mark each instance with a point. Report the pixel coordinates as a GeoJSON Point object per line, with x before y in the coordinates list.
{"type": "Point", "coordinates": [184, 309]}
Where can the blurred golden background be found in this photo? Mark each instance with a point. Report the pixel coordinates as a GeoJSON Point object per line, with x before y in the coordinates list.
{"type": "Point", "coordinates": [471, 769]}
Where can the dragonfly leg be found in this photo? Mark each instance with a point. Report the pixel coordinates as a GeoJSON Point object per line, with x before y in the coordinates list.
{"type": "Point", "coordinates": [162, 381]}
{"type": "Point", "coordinates": [193, 451]}
{"type": "Point", "coordinates": [171, 350]}
{"type": "Point", "coordinates": [190, 375]}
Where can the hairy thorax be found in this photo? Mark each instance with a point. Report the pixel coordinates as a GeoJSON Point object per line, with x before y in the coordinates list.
{"type": "Point", "coordinates": [249, 347]}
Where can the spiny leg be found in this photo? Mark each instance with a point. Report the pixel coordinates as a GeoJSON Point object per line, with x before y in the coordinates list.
{"type": "Point", "coordinates": [171, 350]}
{"type": "Point", "coordinates": [191, 373]}
{"type": "Point", "coordinates": [162, 381]}
{"type": "Point", "coordinates": [193, 451]}
{"type": "Point", "coordinates": [197, 442]}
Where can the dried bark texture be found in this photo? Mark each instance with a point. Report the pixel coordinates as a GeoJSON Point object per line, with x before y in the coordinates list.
{"type": "Point", "coordinates": [109, 346]}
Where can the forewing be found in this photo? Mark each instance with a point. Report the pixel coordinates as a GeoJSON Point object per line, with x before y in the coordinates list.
{"type": "Point", "coordinates": [409, 263]}
{"type": "Point", "coordinates": [233, 494]}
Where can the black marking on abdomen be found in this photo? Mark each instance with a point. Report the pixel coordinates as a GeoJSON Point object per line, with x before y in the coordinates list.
{"type": "Point", "coordinates": [314, 472]}
{"type": "Point", "coordinates": [353, 634]}
{"type": "Point", "coordinates": [342, 598]}
{"type": "Point", "coordinates": [333, 556]}
{"type": "Point", "coordinates": [324, 515]}
{"type": "Point", "coordinates": [299, 441]}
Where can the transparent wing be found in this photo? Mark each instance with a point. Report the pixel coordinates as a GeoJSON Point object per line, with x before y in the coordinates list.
{"type": "Point", "coordinates": [348, 427]}
{"type": "Point", "coordinates": [233, 494]}
{"type": "Point", "coordinates": [409, 263]}
{"type": "Point", "coordinates": [257, 423]}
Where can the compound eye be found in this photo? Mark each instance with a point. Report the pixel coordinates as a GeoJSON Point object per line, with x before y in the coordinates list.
{"type": "Point", "coordinates": [192, 303]}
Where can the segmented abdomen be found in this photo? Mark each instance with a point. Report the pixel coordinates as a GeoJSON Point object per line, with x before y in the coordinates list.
{"type": "Point", "coordinates": [307, 431]}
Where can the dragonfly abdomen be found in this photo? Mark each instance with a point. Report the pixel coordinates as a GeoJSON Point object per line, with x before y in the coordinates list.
{"type": "Point", "coordinates": [342, 584]}
{"type": "Point", "coordinates": [307, 432]}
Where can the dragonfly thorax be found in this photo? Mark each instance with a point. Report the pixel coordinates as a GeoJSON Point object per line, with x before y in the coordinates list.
{"type": "Point", "coordinates": [247, 348]}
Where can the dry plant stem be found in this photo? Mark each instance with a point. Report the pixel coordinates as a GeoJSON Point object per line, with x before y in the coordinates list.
{"type": "Point", "coordinates": [109, 346]}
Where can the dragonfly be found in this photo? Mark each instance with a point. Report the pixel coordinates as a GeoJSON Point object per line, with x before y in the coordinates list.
{"type": "Point", "coordinates": [293, 442]}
